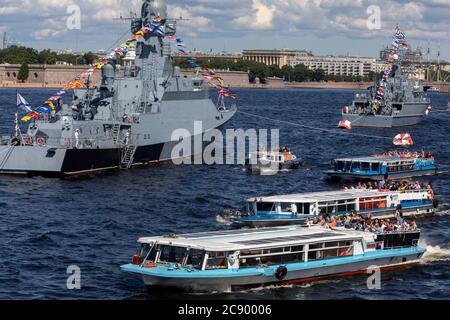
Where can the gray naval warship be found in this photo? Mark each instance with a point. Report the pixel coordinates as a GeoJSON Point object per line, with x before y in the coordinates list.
{"type": "Point", "coordinates": [405, 104]}
{"type": "Point", "coordinates": [122, 121]}
{"type": "Point", "coordinates": [404, 101]}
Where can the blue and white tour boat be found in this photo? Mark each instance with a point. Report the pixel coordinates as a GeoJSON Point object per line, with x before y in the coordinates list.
{"type": "Point", "coordinates": [388, 166]}
{"type": "Point", "coordinates": [240, 259]}
{"type": "Point", "coordinates": [297, 208]}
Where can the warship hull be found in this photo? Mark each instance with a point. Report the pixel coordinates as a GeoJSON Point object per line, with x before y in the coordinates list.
{"type": "Point", "coordinates": [63, 162]}
{"type": "Point", "coordinates": [412, 114]}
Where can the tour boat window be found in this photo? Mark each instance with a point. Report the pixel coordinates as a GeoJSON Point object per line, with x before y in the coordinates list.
{"type": "Point", "coordinates": [297, 248]}
{"type": "Point", "coordinates": [330, 253]}
{"type": "Point", "coordinates": [252, 253]}
{"type": "Point", "coordinates": [195, 258]}
{"type": "Point", "coordinates": [270, 260]}
{"type": "Point", "coordinates": [330, 250]}
{"type": "Point", "coordinates": [314, 255]}
{"type": "Point", "coordinates": [216, 260]}
{"type": "Point", "coordinates": [171, 254]}
{"type": "Point", "coordinates": [340, 165]}
{"type": "Point", "coordinates": [303, 208]}
{"type": "Point", "coordinates": [348, 166]}
{"type": "Point", "coordinates": [276, 250]}
{"type": "Point", "coordinates": [145, 252]}
{"type": "Point", "coordinates": [327, 207]}
{"type": "Point", "coordinates": [372, 203]}
{"type": "Point", "coordinates": [294, 257]}
{"type": "Point", "coordinates": [331, 244]}
{"type": "Point", "coordinates": [346, 205]}
{"type": "Point", "coordinates": [249, 262]}
{"type": "Point", "coordinates": [306, 208]}
{"type": "Point", "coordinates": [272, 256]}
{"type": "Point", "coordinates": [365, 166]}
{"type": "Point", "coordinates": [286, 207]}
{"type": "Point", "coordinates": [266, 206]}
{"type": "Point", "coordinates": [376, 167]}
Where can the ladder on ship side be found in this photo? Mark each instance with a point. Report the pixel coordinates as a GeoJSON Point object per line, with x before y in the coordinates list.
{"type": "Point", "coordinates": [115, 133]}
{"type": "Point", "coordinates": [127, 158]}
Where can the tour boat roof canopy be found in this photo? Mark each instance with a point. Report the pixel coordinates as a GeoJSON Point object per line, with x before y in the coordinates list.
{"type": "Point", "coordinates": [376, 159]}
{"type": "Point", "coordinates": [323, 196]}
{"type": "Point", "coordinates": [248, 239]}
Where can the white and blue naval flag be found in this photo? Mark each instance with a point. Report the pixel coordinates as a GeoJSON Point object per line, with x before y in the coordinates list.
{"type": "Point", "coordinates": [22, 104]}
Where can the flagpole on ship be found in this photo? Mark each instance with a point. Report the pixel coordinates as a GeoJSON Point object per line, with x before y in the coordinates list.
{"type": "Point", "coordinates": [16, 120]}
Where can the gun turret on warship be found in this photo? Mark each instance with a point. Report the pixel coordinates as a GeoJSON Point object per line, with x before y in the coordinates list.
{"type": "Point", "coordinates": [124, 120]}
{"type": "Point", "coordinates": [398, 100]}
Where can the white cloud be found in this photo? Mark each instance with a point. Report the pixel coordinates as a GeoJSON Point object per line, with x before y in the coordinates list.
{"type": "Point", "coordinates": [261, 16]}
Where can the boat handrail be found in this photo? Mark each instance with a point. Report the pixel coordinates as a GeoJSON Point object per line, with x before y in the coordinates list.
{"type": "Point", "coordinates": [148, 254]}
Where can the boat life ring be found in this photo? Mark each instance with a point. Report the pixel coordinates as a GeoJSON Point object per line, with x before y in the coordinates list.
{"type": "Point", "coordinates": [28, 140]}
{"type": "Point", "coordinates": [281, 273]}
{"type": "Point", "coordinates": [150, 265]}
{"type": "Point", "coordinates": [40, 141]}
{"type": "Point", "coordinates": [67, 143]}
{"type": "Point", "coordinates": [435, 203]}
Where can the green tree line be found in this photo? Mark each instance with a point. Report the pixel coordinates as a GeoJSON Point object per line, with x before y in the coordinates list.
{"type": "Point", "coordinates": [23, 55]}
{"type": "Point", "coordinates": [299, 73]}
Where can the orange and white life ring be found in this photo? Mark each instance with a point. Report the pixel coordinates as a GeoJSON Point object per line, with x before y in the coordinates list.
{"type": "Point", "coordinates": [67, 143]}
{"type": "Point", "coordinates": [28, 140]}
{"type": "Point", "coordinates": [41, 141]}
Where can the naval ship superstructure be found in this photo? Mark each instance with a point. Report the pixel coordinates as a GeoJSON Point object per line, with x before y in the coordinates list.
{"type": "Point", "coordinates": [403, 100]}
{"type": "Point", "coordinates": [124, 120]}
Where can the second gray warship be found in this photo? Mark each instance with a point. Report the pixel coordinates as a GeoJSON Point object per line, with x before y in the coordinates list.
{"type": "Point", "coordinates": [124, 120]}
{"type": "Point", "coordinates": [398, 100]}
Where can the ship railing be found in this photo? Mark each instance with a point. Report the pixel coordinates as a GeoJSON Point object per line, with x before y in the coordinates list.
{"type": "Point", "coordinates": [67, 143]}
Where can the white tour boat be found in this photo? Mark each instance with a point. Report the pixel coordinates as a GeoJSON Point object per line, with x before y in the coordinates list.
{"type": "Point", "coordinates": [296, 208]}
{"type": "Point", "coordinates": [238, 259]}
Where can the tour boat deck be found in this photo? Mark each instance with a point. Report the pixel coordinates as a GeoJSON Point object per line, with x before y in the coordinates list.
{"type": "Point", "coordinates": [376, 159]}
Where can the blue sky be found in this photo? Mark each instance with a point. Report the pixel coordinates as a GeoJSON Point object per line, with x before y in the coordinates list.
{"type": "Point", "coordinates": [323, 26]}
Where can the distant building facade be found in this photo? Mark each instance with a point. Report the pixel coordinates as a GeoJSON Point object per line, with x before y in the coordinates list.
{"type": "Point", "coordinates": [340, 66]}
{"type": "Point", "coordinates": [44, 74]}
{"type": "Point", "coordinates": [203, 55]}
{"type": "Point", "coordinates": [280, 58]}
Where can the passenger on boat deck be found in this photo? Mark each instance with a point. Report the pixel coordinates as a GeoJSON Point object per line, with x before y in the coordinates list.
{"type": "Point", "coordinates": [359, 223]}
{"type": "Point", "coordinates": [399, 216]}
{"type": "Point", "coordinates": [332, 222]}
{"type": "Point", "coordinates": [392, 186]}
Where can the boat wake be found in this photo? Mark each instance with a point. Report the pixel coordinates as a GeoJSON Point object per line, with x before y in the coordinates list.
{"type": "Point", "coordinates": [435, 254]}
{"type": "Point", "coordinates": [222, 220]}
{"type": "Point", "coordinates": [444, 210]}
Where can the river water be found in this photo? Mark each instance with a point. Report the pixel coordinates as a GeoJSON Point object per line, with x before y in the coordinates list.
{"type": "Point", "coordinates": [47, 225]}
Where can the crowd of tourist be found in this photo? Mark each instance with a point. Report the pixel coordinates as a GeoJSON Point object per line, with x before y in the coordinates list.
{"type": "Point", "coordinates": [365, 223]}
{"type": "Point", "coordinates": [406, 154]}
{"type": "Point", "coordinates": [401, 186]}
